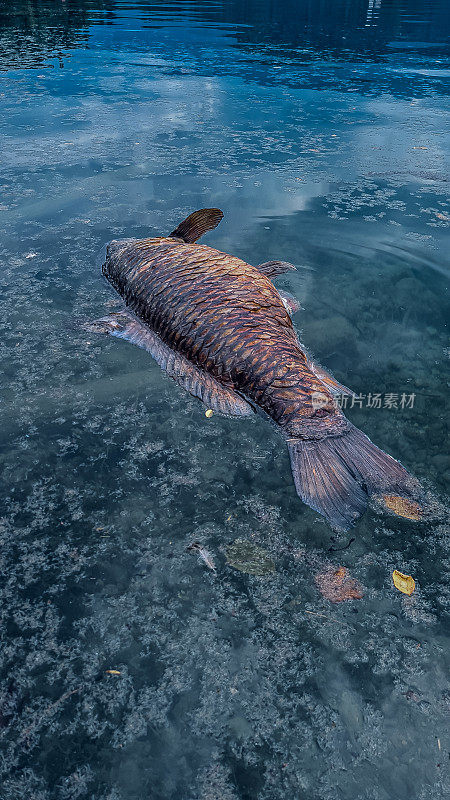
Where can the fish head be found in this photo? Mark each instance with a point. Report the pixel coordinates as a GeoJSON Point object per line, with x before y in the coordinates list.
{"type": "Point", "coordinates": [116, 246]}
{"type": "Point", "coordinates": [108, 251]}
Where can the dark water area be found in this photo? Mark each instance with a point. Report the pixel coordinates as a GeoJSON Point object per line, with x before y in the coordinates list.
{"type": "Point", "coordinates": [321, 130]}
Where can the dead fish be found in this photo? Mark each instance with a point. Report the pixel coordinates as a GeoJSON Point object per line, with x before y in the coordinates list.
{"type": "Point", "coordinates": [219, 327]}
{"type": "Point", "coordinates": [203, 554]}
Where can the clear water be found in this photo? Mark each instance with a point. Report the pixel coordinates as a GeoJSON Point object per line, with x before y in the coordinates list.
{"type": "Point", "coordinates": [319, 129]}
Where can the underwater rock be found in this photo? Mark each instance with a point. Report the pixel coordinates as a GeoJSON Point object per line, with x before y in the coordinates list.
{"type": "Point", "coordinates": [248, 557]}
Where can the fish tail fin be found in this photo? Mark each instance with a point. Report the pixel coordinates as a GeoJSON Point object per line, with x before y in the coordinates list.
{"type": "Point", "coordinates": [336, 475]}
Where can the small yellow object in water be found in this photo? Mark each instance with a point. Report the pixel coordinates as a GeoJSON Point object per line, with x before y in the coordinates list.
{"type": "Point", "coordinates": [403, 507]}
{"type": "Point", "coordinates": [404, 583]}
{"type": "Point", "coordinates": [113, 672]}
{"type": "Point", "coordinates": [209, 413]}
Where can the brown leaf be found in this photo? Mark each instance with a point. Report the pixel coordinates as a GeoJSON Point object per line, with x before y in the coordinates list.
{"type": "Point", "coordinates": [403, 507]}
{"type": "Point", "coordinates": [336, 585]}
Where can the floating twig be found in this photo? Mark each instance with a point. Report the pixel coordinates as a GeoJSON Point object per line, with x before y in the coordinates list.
{"type": "Point", "coordinates": [48, 711]}
{"type": "Point", "coordinates": [325, 616]}
{"type": "Point", "coordinates": [337, 549]}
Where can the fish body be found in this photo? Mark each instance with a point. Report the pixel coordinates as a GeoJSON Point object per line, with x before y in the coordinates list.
{"type": "Point", "coordinates": [221, 329]}
{"type": "Point", "coordinates": [225, 316]}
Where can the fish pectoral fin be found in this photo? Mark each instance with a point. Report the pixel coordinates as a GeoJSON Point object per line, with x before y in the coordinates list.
{"type": "Point", "coordinates": [216, 396]}
{"type": "Point", "coordinates": [112, 323]}
{"type": "Point", "coordinates": [196, 224]}
{"type": "Point", "coordinates": [329, 382]}
{"type": "Point", "coordinates": [273, 268]}
{"type": "Point", "coordinates": [290, 303]}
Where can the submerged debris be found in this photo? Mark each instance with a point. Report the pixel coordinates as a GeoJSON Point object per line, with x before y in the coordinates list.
{"type": "Point", "coordinates": [48, 711]}
{"type": "Point", "coordinates": [404, 583]}
{"type": "Point", "coordinates": [336, 585]}
{"type": "Point", "coordinates": [203, 554]}
{"type": "Point", "coordinates": [248, 557]}
{"type": "Point", "coordinates": [403, 507]}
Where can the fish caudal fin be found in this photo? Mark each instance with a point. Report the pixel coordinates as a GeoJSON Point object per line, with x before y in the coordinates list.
{"type": "Point", "coordinates": [337, 475]}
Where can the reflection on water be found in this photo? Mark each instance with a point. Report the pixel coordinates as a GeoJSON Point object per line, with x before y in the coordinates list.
{"type": "Point", "coordinates": [319, 128]}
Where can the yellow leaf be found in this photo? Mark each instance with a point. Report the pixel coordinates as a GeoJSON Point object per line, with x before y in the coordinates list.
{"type": "Point", "coordinates": [113, 672]}
{"type": "Point", "coordinates": [404, 583]}
{"type": "Point", "coordinates": [209, 413]}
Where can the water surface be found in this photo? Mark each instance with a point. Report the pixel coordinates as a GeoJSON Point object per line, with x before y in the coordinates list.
{"type": "Point", "coordinates": [320, 130]}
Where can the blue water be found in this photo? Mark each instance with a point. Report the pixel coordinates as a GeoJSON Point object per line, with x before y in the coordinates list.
{"type": "Point", "coordinates": [321, 130]}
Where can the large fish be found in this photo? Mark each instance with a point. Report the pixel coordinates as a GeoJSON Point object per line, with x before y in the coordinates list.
{"type": "Point", "coordinates": [219, 327]}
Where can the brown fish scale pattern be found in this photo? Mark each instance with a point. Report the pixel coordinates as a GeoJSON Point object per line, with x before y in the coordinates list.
{"type": "Point", "coordinates": [227, 318]}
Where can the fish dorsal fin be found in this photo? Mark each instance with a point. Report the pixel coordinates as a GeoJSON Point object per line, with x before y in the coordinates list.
{"type": "Point", "coordinates": [194, 380]}
{"type": "Point", "coordinates": [273, 268]}
{"type": "Point", "coordinates": [196, 224]}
